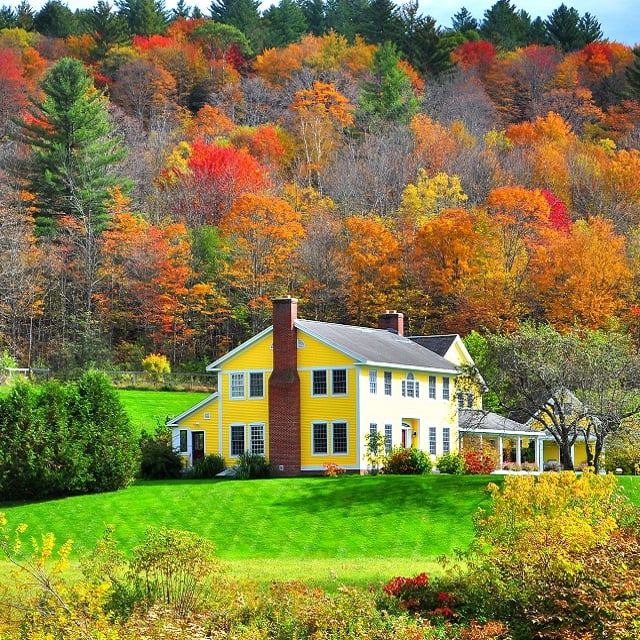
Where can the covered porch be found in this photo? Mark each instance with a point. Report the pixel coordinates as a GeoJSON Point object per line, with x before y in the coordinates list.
{"type": "Point", "coordinates": [516, 443]}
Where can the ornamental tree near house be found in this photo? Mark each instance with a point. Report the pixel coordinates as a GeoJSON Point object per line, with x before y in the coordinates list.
{"type": "Point", "coordinates": [534, 369]}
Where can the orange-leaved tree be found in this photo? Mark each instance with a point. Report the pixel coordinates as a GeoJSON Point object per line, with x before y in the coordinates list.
{"type": "Point", "coordinates": [371, 269]}
{"type": "Point", "coordinates": [264, 233]}
{"type": "Point", "coordinates": [582, 277]}
{"type": "Point", "coordinates": [321, 114]}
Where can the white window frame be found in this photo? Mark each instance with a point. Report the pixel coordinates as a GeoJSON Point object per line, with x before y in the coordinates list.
{"type": "Point", "coordinates": [314, 426]}
{"type": "Point", "coordinates": [388, 438]}
{"type": "Point", "coordinates": [237, 386]}
{"type": "Point", "coordinates": [238, 428]}
{"type": "Point", "coordinates": [256, 375]}
{"type": "Point", "coordinates": [433, 384]}
{"type": "Point", "coordinates": [257, 441]}
{"type": "Point", "coordinates": [446, 439]}
{"type": "Point", "coordinates": [388, 383]}
{"type": "Point", "coordinates": [317, 372]}
{"type": "Point", "coordinates": [334, 449]}
{"type": "Point", "coordinates": [334, 372]}
{"type": "Point", "coordinates": [410, 388]}
{"type": "Point", "coordinates": [446, 386]}
{"type": "Point", "coordinates": [373, 382]}
{"type": "Point", "coordinates": [433, 441]}
{"type": "Point", "coordinates": [330, 438]}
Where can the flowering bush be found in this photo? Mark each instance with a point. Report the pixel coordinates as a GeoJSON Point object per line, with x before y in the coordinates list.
{"type": "Point", "coordinates": [482, 459]}
{"type": "Point", "coordinates": [416, 595]}
{"type": "Point", "coordinates": [332, 470]}
{"type": "Point", "coordinates": [407, 461]}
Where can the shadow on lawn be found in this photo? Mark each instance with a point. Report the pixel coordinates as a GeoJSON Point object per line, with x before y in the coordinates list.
{"type": "Point", "coordinates": [382, 493]}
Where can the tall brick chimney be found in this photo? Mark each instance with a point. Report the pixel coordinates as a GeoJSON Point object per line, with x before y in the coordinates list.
{"type": "Point", "coordinates": [391, 320]}
{"type": "Point", "coordinates": [284, 391]}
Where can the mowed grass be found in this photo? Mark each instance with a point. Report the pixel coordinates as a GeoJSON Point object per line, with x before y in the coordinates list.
{"type": "Point", "coordinates": [148, 409]}
{"type": "Point", "coordinates": [358, 529]}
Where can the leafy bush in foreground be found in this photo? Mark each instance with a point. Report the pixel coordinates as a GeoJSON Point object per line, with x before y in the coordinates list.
{"type": "Point", "coordinates": [557, 556]}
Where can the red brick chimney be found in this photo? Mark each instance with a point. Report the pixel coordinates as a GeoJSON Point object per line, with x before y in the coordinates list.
{"type": "Point", "coordinates": [391, 320]}
{"type": "Point", "coordinates": [284, 391]}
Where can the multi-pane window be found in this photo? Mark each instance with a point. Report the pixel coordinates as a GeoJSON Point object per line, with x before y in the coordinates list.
{"type": "Point", "coordinates": [446, 440]}
{"type": "Point", "coordinates": [320, 437]}
{"type": "Point", "coordinates": [432, 441]}
{"type": "Point", "coordinates": [373, 381]}
{"type": "Point", "coordinates": [388, 436]}
{"type": "Point", "coordinates": [237, 385]}
{"type": "Point", "coordinates": [237, 439]}
{"type": "Point", "coordinates": [256, 385]}
{"type": "Point", "coordinates": [465, 399]}
{"type": "Point", "coordinates": [445, 388]}
{"type": "Point", "coordinates": [432, 387]}
{"type": "Point", "coordinates": [324, 433]}
{"type": "Point", "coordinates": [340, 444]}
{"type": "Point", "coordinates": [319, 382]}
{"type": "Point", "coordinates": [387, 383]}
{"type": "Point", "coordinates": [339, 381]}
{"type": "Point", "coordinates": [409, 386]}
{"type": "Point", "coordinates": [256, 439]}
{"type": "Point", "coordinates": [183, 440]}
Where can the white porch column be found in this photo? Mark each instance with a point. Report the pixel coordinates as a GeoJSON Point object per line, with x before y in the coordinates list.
{"type": "Point", "coordinates": [501, 451]}
{"type": "Point", "coordinates": [518, 450]}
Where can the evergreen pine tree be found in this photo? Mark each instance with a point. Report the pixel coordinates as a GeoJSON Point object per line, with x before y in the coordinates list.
{"type": "Point", "coordinates": [315, 16]}
{"type": "Point", "coordinates": [55, 20]}
{"type": "Point", "coordinates": [389, 96]}
{"type": "Point", "coordinates": [505, 27]}
{"type": "Point", "coordinates": [243, 15]}
{"type": "Point", "coordinates": [632, 73]}
{"type": "Point", "coordinates": [143, 17]}
{"type": "Point", "coordinates": [108, 28]}
{"type": "Point", "coordinates": [73, 148]}
{"type": "Point", "coordinates": [285, 23]}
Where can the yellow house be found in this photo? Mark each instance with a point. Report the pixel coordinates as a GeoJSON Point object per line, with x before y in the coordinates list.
{"type": "Point", "coordinates": [305, 393]}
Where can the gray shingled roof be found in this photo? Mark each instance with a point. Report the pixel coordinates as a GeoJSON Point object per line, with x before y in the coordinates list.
{"type": "Point", "coordinates": [376, 346]}
{"type": "Point", "coordinates": [486, 421]}
{"type": "Point", "coordinates": [437, 344]}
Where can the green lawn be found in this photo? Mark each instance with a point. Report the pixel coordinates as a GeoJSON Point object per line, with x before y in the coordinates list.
{"type": "Point", "coordinates": [367, 528]}
{"type": "Point", "coordinates": [147, 409]}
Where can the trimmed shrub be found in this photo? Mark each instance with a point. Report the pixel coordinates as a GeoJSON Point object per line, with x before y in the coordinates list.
{"type": "Point", "coordinates": [251, 466]}
{"type": "Point", "coordinates": [451, 463]}
{"type": "Point", "coordinates": [208, 467]}
{"type": "Point", "coordinates": [407, 461]}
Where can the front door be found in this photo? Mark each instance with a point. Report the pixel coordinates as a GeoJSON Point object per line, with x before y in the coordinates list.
{"type": "Point", "coordinates": [406, 435]}
{"type": "Point", "coordinates": [197, 445]}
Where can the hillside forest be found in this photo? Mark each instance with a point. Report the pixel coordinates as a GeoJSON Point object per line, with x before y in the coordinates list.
{"type": "Point", "coordinates": [164, 175]}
